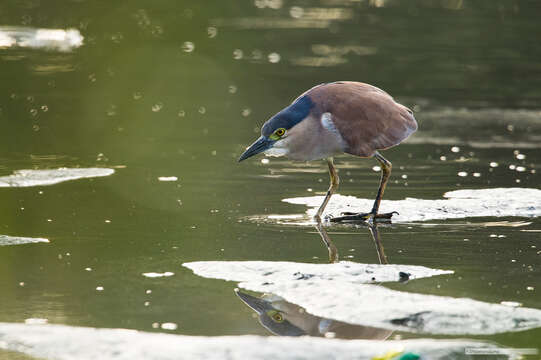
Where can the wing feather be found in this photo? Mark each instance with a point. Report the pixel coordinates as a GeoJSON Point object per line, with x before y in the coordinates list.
{"type": "Point", "coordinates": [367, 117]}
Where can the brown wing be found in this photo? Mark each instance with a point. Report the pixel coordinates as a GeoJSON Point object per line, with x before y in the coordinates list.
{"type": "Point", "coordinates": [367, 117]}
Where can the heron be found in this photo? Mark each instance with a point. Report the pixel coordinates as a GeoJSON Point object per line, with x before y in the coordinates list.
{"type": "Point", "coordinates": [334, 118]}
{"type": "Point", "coordinates": [287, 319]}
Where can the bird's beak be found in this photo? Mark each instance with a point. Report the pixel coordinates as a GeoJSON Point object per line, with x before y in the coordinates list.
{"type": "Point", "coordinates": [260, 145]}
{"type": "Point", "coordinates": [260, 306]}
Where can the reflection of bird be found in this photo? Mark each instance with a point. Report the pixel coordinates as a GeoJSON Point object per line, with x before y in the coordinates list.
{"type": "Point", "coordinates": [283, 318]}
{"type": "Point", "coordinates": [329, 119]}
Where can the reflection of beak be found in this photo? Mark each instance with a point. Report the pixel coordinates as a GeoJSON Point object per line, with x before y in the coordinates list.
{"type": "Point", "coordinates": [258, 305]}
{"type": "Point", "coordinates": [260, 145]}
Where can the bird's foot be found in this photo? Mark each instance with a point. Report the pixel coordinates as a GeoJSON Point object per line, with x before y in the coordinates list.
{"type": "Point", "coordinates": [364, 217]}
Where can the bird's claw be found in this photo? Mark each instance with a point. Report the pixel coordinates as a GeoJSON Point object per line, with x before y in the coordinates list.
{"type": "Point", "coordinates": [364, 217]}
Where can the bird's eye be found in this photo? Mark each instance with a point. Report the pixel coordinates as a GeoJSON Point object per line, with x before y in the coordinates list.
{"type": "Point", "coordinates": [278, 317]}
{"type": "Point", "coordinates": [280, 132]}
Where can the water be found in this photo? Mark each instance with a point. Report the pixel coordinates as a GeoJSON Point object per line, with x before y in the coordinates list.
{"type": "Point", "coordinates": [178, 90]}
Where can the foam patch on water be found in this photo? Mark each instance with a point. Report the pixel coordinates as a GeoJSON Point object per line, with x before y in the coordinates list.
{"type": "Point", "coordinates": [338, 292]}
{"type": "Point", "coordinates": [284, 271]}
{"type": "Point", "coordinates": [27, 178]}
{"type": "Point", "coordinates": [62, 342]}
{"type": "Point", "coordinates": [157, 275]}
{"type": "Point", "coordinates": [19, 240]}
{"type": "Point", "coordinates": [497, 202]}
{"type": "Point", "coordinates": [34, 38]}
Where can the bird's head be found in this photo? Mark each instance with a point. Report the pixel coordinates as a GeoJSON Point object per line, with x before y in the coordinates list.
{"type": "Point", "coordinates": [276, 136]}
{"type": "Point", "coordinates": [273, 319]}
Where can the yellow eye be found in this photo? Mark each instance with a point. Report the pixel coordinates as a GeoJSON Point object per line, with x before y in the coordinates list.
{"type": "Point", "coordinates": [278, 317]}
{"type": "Point", "coordinates": [280, 132]}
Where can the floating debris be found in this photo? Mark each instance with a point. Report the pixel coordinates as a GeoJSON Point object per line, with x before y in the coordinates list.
{"type": "Point", "coordinates": [27, 178]}
{"type": "Point", "coordinates": [19, 240]}
{"type": "Point", "coordinates": [280, 271]}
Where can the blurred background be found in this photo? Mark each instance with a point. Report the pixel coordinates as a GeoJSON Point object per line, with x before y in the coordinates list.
{"type": "Point", "coordinates": [180, 88]}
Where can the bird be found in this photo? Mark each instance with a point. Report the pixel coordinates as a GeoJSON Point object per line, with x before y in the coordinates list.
{"type": "Point", "coordinates": [287, 319]}
{"type": "Point", "coordinates": [335, 118]}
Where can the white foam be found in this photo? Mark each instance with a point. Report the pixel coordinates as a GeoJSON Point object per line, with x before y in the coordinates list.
{"type": "Point", "coordinates": [339, 292]}
{"type": "Point", "coordinates": [62, 342]}
{"type": "Point", "coordinates": [19, 240]}
{"type": "Point", "coordinates": [35, 38]}
{"type": "Point", "coordinates": [156, 275]}
{"type": "Point", "coordinates": [497, 202]}
{"type": "Point", "coordinates": [27, 178]}
{"type": "Point", "coordinates": [284, 271]}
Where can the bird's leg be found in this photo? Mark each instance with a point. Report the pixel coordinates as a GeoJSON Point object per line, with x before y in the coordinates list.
{"type": "Point", "coordinates": [386, 167]}
{"type": "Point", "coordinates": [335, 180]}
{"type": "Point", "coordinates": [374, 231]}
{"type": "Point", "coordinates": [331, 248]}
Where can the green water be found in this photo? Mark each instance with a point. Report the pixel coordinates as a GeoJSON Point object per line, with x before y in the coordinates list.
{"type": "Point", "coordinates": [180, 88]}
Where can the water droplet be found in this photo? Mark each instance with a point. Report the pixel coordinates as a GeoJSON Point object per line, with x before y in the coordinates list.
{"type": "Point", "coordinates": [237, 54]}
{"type": "Point", "coordinates": [157, 107]}
{"type": "Point", "coordinates": [169, 326]}
{"type": "Point", "coordinates": [274, 58]}
{"type": "Point", "coordinates": [212, 32]}
{"type": "Point", "coordinates": [188, 46]}
{"type": "Point", "coordinates": [462, 174]}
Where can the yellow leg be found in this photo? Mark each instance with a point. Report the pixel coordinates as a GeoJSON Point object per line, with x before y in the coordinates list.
{"type": "Point", "coordinates": [335, 180]}
{"type": "Point", "coordinates": [386, 167]}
